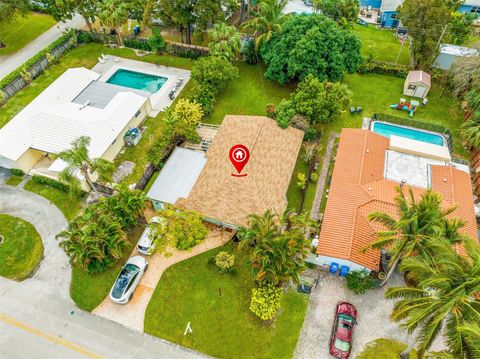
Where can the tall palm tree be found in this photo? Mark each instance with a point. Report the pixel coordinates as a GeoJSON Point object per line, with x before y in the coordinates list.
{"type": "Point", "coordinates": [260, 227]}
{"type": "Point", "coordinates": [224, 41]}
{"type": "Point", "coordinates": [267, 20]}
{"type": "Point", "coordinates": [447, 296]}
{"type": "Point", "coordinates": [471, 130]}
{"type": "Point", "coordinates": [113, 13]}
{"type": "Point", "coordinates": [78, 161]}
{"type": "Point", "coordinates": [417, 222]}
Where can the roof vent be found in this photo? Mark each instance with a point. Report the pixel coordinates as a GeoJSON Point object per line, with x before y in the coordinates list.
{"type": "Point", "coordinates": [367, 150]}
{"type": "Point", "coordinates": [445, 179]}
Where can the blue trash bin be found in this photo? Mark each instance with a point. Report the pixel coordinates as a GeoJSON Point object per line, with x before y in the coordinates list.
{"type": "Point", "coordinates": [344, 271]}
{"type": "Point", "coordinates": [333, 267]}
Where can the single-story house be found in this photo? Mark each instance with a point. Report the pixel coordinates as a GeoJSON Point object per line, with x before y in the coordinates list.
{"type": "Point", "coordinates": [448, 54]}
{"type": "Point", "coordinates": [74, 105]}
{"type": "Point", "coordinates": [470, 6]}
{"type": "Point", "coordinates": [203, 181]}
{"type": "Point", "coordinates": [366, 176]}
{"type": "Point", "coordinates": [417, 84]}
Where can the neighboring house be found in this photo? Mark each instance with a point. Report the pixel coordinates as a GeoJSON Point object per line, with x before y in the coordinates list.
{"type": "Point", "coordinates": [417, 84]}
{"type": "Point", "coordinates": [448, 54]}
{"type": "Point", "coordinates": [203, 181]}
{"type": "Point", "coordinates": [470, 6]}
{"type": "Point", "coordinates": [74, 105]}
{"type": "Point", "coordinates": [368, 170]}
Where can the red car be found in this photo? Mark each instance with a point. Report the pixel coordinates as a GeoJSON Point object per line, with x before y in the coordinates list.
{"type": "Point", "coordinates": [342, 332]}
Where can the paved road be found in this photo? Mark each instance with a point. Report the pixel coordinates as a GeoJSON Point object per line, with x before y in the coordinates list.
{"type": "Point", "coordinates": [37, 317]}
{"type": "Point", "coordinates": [9, 63]}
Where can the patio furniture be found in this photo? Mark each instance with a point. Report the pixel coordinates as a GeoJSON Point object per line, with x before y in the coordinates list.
{"type": "Point", "coordinates": [359, 109]}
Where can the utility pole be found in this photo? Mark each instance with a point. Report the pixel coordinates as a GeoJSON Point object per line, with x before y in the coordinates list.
{"type": "Point", "coordinates": [438, 43]}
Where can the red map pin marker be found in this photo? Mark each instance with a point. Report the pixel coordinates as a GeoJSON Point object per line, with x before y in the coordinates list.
{"type": "Point", "coordinates": [239, 155]}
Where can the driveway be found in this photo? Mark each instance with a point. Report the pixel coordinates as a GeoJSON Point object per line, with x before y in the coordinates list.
{"type": "Point", "coordinates": [11, 62]}
{"type": "Point", "coordinates": [132, 314]}
{"type": "Point", "coordinates": [373, 317]}
{"type": "Point", "coordinates": [37, 317]}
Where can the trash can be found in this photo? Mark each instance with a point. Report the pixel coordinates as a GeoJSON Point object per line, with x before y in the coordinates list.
{"type": "Point", "coordinates": [333, 267]}
{"type": "Point", "coordinates": [344, 271]}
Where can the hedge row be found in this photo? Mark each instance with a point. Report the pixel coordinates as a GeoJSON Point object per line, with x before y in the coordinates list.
{"type": "Point", "coordinates": [37, 57]}
{"type": "Point", "coordinates": [44, 181]}
{"type": "Point", "coordinates": [384, 68]}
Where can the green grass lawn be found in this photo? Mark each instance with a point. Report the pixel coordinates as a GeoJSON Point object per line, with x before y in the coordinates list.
{"type": "Point", "coordinates": [89, 290]}
{"type": "Point", "coordinates": [385, 349]}
{"type": "Point", "coordinates": [382, 44]}
{"type": "Point", "coordinates": [217, 305]}
{"type": "Point", "coordinates": [248, 94]}
{"type": "Point", "coordinates": [69, 206]}
{"type": "Point", "coordinates": [13, 180]}
{"type": "Point", "coordinates": [21, 249]}
{"type": "Point", "coordinates": [23, 30]}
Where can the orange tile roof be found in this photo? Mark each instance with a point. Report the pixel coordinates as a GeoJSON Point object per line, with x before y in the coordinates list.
{"type": "Point", "coordinates": [273, 154]}
{"type": "Point", "coordinates": [358, 188]}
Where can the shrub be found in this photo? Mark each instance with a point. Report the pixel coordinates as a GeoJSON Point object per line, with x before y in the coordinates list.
{"type": "Point", "coordinates": [224, 261]}
{"type": "Point", "coordinates": [186, 228]}
{"type": "Point", "coordinates": [248, 52]}
{"type": "Point", "coordinates": [311, 134]}
{"type": "Point", "coordinates": [84, 37]}
{"type": "Point", "coordinates": [284, 113]}
{"type": "Point", "coordinates": [301, 181]}
{"type": "Point", "coordinates": [359, 281]}
{"type": "Point", "coordinates": [44, 181]}
{"type": "Point", "coordinates": [270, 110]}
{"type": "Point", "coordinates": [135, 43]}
{"type": "Point", "coordinates": [17, 172]}
{"type": "Point", "coordinates": [383, 68]}
{"type": "Point", "coordinates": [314, 177]}
{"type": "Point", "coordinates": [265, 301]}
{"type": "Point", "coordinates": [156, 41]}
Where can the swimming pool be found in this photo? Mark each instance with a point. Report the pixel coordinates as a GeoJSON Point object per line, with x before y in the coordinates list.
{"type": "Point", "coordinates": [387, 129]}
{"type": "Point", "coordinates": [137, 80]}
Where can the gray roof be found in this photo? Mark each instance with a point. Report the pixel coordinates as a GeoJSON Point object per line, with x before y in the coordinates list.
{"type": "Point", "coordinates": [99, 94]}
{"type": "Point", "coordinates": [178, 176]}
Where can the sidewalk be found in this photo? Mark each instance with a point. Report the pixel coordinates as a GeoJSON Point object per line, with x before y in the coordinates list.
{"type": "Point", "coordinates": [11, 62]}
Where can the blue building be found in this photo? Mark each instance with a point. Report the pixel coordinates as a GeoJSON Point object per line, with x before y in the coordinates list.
{"type": "Point", "coordinates": [470, 6]}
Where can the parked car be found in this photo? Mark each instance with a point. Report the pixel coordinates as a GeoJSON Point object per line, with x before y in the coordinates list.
{"type": "Point", "coordinates": [146, 243]}
{"type": "Point", "coordinates": [342, 332]}
{"type": "Point", "coordinates": [128, 279]}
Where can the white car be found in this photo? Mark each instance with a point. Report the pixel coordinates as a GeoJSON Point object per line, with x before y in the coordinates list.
{"type": "Point", "coordinates": [128, 279]}
{"type": "Point", "coordinates": [146, 243]}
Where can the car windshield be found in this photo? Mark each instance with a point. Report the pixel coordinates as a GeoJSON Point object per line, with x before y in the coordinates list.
{"type": "Point", "coordinates": [346, 318]}
{"type": "Point", "coordinates": [341, 345]}
{"type": "Point", "coordinates": [123, 279]}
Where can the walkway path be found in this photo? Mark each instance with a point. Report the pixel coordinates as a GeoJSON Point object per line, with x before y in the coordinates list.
{"type": "Point", "coordinates": [10, 62]}
{"type": "Point", "coordinates": [323, 177]}
{"type": "Point", "coordinates": [37, 317]}
{"type": "Point", "coordinates": [133, 314]}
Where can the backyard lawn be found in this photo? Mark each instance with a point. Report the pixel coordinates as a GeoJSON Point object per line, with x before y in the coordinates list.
{"type": "Point", "coordinates": [382, 45]}
{"type": "Point", "coordinates": [69, 206]}
{"type": "Point", "coordinates": [21, 249]}
{"type": "Point", "coordinates": [89, 290]}
{"type": "Point", "coordinates": [22, 30]}
{"type": "Point", "coordinates": [217, 306]}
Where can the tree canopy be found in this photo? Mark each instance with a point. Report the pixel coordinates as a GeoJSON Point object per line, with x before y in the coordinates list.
{"type": "Point", "coordinates": [311, 44]}
{"type": "Point", "coordinates": [342, 11]}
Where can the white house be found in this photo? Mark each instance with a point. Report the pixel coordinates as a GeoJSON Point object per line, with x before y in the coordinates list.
{"type": "Point", "coordinates": [74, 105]}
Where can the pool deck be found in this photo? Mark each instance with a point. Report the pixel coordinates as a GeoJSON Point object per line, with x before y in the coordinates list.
{"type": "Point", "coordinates": [160, 99]}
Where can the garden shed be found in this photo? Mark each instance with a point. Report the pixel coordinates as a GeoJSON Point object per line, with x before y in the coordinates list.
{"type": "Point", "coordinates": [417, 84]}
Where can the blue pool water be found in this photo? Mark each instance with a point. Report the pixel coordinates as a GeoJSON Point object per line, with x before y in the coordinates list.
{"type": "Point", "coordinates": [137, 80]}
{"type": "Point", "coordinates": [387, 129]}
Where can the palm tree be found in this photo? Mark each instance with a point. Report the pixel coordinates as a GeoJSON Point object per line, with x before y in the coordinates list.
{"type": "Point", "coordinates": [78, 161]}
{"type": "Point", "coordinates": [224, 41]}
{"type": "Point", "coordinates": [280, 245]}
{"type": "Point", "coordinates": [473, 99]}
{"type": "Point", "coordinates": [447, 296]}
{"type": "Point", "coordinates": [471, 130]}
{"type": "Point", "coordinates": [113, 13]}
{"type": "Point", "coordinates": [267, 20]}
{"type": "Point", "coordinates": [417, 222]}
{"type": "Point", "coordinates": [471, 334]}
{"type": "Point", "coordinates": [126, 205]}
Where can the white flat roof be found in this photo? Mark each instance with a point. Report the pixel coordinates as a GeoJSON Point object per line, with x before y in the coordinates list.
{"type": "Point", "coordinates": [178, 176]}
{"type": "Point", "coordinates": [456, 50]}
{"type": "Point", "coordinates": [52, 121]}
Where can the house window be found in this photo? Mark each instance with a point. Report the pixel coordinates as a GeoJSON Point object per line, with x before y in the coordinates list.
{"type": "Point", "coordinates": [115, 140]}
{"type": "Point", "coordinates": [138, 113]}
{"type": "Point", "coordinates": [412, 87]}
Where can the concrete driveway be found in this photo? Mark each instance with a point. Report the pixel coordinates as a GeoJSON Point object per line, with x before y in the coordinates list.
{"type": "Point", "coordinates": [132, 314]}
{"type": "Point", "coordinates": [373, 317]}
{"type": "Point", "coordinates": [37, 317]}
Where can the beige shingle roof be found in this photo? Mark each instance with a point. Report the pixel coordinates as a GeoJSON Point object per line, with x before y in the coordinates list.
{"type": "Point", "coordinates": [358, 188]}
{"type": "Point", "coordinates": [273, 153]}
